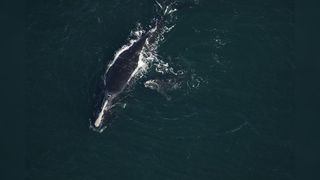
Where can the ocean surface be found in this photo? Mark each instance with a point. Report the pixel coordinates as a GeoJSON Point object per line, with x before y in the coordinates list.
{"type": "Point", "coordinates": [229, 117]}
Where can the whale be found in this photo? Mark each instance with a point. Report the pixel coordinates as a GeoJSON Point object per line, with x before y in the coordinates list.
{"type": "Point", "coordinates": [120, 73]}
{"type": "Point", "coordinates": [122, 69]}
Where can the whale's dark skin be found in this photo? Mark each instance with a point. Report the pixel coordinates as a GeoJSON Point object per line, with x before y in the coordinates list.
{"type": "Point", "coordinates": [120, 72]}
{"type": "Point", "coordinates": [118, 75]}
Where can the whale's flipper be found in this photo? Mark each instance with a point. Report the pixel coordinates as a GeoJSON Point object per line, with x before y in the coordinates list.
{"type": "Point", "coordinates": [162, 86]}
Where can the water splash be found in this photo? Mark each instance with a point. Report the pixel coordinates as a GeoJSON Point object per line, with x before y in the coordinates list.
{"type": "Point", "coordinates": [149, 56]}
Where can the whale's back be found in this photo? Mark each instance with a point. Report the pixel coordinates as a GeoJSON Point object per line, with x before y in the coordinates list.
{"type": "Point", "coordinates": [124, 66]}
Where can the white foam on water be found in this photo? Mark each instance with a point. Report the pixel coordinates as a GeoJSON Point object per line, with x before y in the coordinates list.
{"type": "Point", "coordinates": [142, 67]}
{"type": "Point", "coordinates": [159, 5]}
{"type": "Point", "coordinates": [172, 11]}
{"type": "Point", "coordinates": [149, 53]}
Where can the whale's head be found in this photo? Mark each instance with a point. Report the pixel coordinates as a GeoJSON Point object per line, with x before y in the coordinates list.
{"type": "Point", "coordinates": [102, 114]}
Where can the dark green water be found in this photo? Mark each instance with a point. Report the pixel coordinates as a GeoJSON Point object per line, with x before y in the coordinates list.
{"type": "Point", "coordinates": [236, 123]}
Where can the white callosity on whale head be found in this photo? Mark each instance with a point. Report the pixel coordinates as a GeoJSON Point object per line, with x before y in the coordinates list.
{"type": "Point", "coordinates": [98, 121]}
